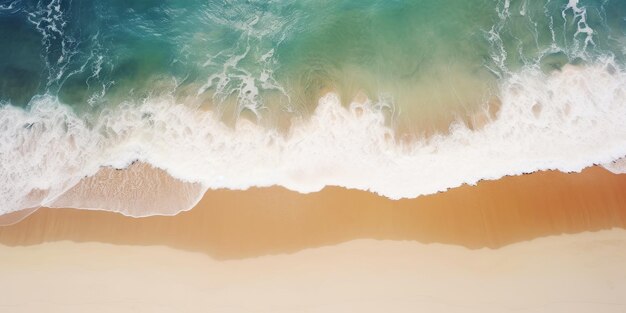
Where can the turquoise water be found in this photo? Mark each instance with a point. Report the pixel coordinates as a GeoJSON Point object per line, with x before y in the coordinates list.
{"type": "Point", "coordinates": [264, 56]}
{"type": "Point", "coordinates": [306, 93]}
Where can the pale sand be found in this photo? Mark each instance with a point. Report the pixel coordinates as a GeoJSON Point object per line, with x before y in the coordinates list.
{"type": "Point", "coordinates": [568, 273]}
{"type": "Point", "coordinates": [237, 224]}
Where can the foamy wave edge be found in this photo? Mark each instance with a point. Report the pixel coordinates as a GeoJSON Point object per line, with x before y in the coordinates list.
{"type": "Point", "coordinates": [566, 121]}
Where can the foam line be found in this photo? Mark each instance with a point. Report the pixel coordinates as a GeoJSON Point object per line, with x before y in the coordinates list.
{"type": "Point", "coordinates": [567, 121]}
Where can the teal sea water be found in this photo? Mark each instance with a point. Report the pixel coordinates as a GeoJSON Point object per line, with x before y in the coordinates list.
{"type": "Point", "coordinates": [258, 55]}
{"type": "Point", "coordinates": [307, 93]}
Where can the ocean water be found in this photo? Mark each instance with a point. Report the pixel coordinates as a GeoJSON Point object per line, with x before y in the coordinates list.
{"type": "Point", "coordinates": [401, 98]}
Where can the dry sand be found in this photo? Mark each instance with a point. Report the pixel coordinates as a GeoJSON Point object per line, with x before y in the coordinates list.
{"type": "Point", "coordinates": [568, 273]}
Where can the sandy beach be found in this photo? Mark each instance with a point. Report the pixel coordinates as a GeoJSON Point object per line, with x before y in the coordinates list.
{"type": "Point", "coordinates": [540, 242]}
{"type": "Point", "coordinates": [567, 273]}
{"type": "Point", "coordinates": [313, 156]}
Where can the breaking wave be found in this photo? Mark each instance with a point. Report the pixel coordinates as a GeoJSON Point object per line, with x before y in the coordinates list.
{"type": "Point", "coordinates": [50, 156]}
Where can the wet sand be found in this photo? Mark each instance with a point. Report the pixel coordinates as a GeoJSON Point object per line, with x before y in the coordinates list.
{"type": "Point", "coordinates": [229, 224]}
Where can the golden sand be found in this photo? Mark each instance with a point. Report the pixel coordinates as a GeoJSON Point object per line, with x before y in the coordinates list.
{"type": "Point", "coordinates": [237, 224]}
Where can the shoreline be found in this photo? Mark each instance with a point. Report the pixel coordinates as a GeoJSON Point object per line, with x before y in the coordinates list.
{"type": "Point", "coordinates": [230, 224]}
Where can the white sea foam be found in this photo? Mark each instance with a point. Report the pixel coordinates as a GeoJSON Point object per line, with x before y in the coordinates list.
{"type": "Point", "coordinates": [247, 67]}
{"type": "Point", "coordinates": [580, 16]}
{"type": "Point", "coordinates": [50, 20]}
{"type": "Point", "coordinates": [617, 167]}
{"type": "Point", "coordinates": [567, 121]}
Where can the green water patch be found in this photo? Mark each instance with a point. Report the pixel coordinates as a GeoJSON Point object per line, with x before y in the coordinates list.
{"type": "Point", "coordinates": [21, 67]}
{"type": "Point", "coordinates": [422, 56]}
